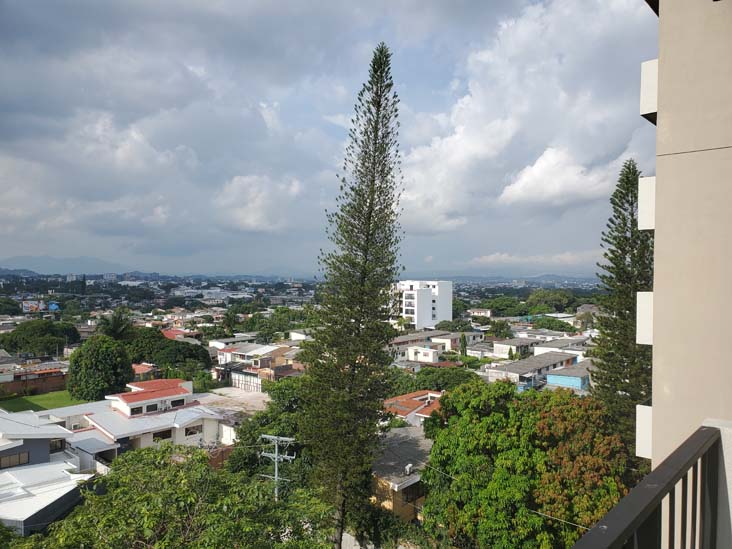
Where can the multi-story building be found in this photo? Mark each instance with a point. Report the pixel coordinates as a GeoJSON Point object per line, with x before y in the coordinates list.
{"type": "Point", "coordinates": [687, 429]}
{"type": "Point", "coordinates": [424, 303]}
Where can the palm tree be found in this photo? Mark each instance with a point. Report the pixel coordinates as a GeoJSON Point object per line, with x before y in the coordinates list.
{"type": "Point", "coordinates": [118, 325]}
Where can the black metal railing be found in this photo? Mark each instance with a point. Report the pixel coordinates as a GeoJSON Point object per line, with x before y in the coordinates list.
{"type": "Point", "coordinates": [638, 520]}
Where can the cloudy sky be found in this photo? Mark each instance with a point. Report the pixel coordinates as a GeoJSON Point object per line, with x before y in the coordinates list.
{"type": "Point", "coordinates": [187, 136]}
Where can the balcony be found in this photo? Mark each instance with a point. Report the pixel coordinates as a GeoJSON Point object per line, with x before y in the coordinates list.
{"type": "Point", "coordinates": [649, 90]}
{"type": "Point", "coordinates": [674, 506]}
{"type": "Point", "coordinates": [646, 203]}
{"type": "Point", "coordinates": [644, 318]}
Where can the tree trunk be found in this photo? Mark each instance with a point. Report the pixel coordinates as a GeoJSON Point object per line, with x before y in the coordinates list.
{"type": "Point", "coordinates": [340, 521]}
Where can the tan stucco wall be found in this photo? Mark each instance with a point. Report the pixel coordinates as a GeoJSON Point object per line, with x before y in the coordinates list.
{"type": "Point", "coordinates": [692, 369]}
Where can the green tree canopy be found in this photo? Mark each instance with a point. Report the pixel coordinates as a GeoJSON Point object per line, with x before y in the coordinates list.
{"type": "Point", "coordinates": [500, 458]}
{"type": "Point", "coordinates": [118, 325]}
{"type": "Point", "coordinates": [550, 323]}
{"type": "Point", "coordinates": [40, 337]}
{"type": "Point", "coordinates": [454, 326]}
{"type": "Point", "coordinates": [101, 366]}
{"type": "Point", "coordinates": [556, 301]}
{"type": "Point", "coordinates": [9, 306]}
{"type": "Point", "coordinates": [144, 343]}
{"type": "Point", "coordinates": [171, 497]}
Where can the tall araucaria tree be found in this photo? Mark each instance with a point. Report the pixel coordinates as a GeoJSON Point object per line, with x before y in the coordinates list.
{"type": "Point", "coordinates": [346, 379]}
{"type": "Point", "coordinates": [622, 376]}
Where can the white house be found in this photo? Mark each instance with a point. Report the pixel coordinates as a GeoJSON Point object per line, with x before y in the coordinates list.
{"type": "Point", "coordinates": [516, 347]}
{"type": "Point", "coordinates": [424, 303]}
{"type": "Point", "coordinates": [486, 313]}
{"type": "Point", "coordinates": [423, 354]}
{"type": "Point", "coordinates": [452, 341]}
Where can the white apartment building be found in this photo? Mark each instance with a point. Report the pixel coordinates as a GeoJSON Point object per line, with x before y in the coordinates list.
{"type": "Point", "coordinates": [424, 303]}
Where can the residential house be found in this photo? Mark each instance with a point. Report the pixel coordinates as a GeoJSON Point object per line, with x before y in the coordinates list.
{"type": "Point", "coordinates": [399, 346]}
{"type": "Point", "coordinates": [397, 481]}
{"type": "Point", "coordinates": [413, 407]}
{"type": "Point", "coordinates": [515, 347]}
{"type": "Point", "coordinates": [482, 349]}
{"type": "Point", "coordinates": [529, 372]}
{"type": "Point", "coordinates": [451, 341]}
{"type": "Point", "coordinates": [575, 377]}
{"type": "Point", "coordinates": [485, 313]}
{"type": "Point", "coordinates": [144, 371]}
{"type": "Point", "coordinates": [423, 354]}
{"type": "Point", "coordinates": [573, 345]}
{"type": "Point", "coordinates": [39, 478]}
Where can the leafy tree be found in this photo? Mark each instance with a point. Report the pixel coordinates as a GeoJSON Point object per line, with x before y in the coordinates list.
{"type": "Point", "coordinates": [481, 320]}
{"type": "Point", "coordinates": [500, 458]}
{"type": "Point", "coordinates": [500, 328]}
{"type": "Point", "coordinates": [346, 379]}
{"type": "Point", "coordinates": [459, 307]}
{"type": "Point", "coordinates": [118, 325]}
{"type": "Point", "coordinates": [171, 497]}
{"type": "Point", "coordinates": [175, 353]}
{"type": "Point", "coordinates": [556, 301]}
{"type": "Point", "coordinates": [9, 306]}
{"type": "Point", "coordinates": [550, 323]}
{"type": "Point", "coordinates": [622, 375]}
{"type": "Point", "coordinates": [442, 379]}
{"type": "Point", "coordinates": [400, 382]}
{"type": "Point", "coordinates": [586, 320]}
{"type": "Point", "coordinates": [463, 344]}
{"type": "Point", "coordinates": [505, 306]}
{"type": "Point", "coordinates": [144, 343]}
{"type": "Point", "coordinates": [511, 355]}
{"type": "Point", "coordinates": [101, 366]}
{"type": "Point", "coordinates": [454, 326]}
{"type": "Point", "coordinates": [40, 337]}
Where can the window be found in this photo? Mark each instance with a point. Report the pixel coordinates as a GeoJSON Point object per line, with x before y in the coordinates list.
{"type": "Point", "coordinates": [151, 408]}
{"type": "Point", "coordinates": [57, 445]}
{"type": "Point", "coordinates": [413, 492]}
{"type": "Point", "coordinates": [13, 460]}
{"type": "Point", "coordinates": [176, 403]}
{"type": "Point", "coordinates": [136, 410]}
{"type": "Point", "coordinates": [163, 435]}
{"type": "Point", "coordinates": [194, 430]}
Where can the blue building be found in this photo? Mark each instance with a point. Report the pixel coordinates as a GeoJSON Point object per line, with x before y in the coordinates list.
{"type": "Point", "coordinates": [575, 377]}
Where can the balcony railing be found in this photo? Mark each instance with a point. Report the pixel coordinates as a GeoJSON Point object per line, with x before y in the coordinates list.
{"type": "Point", "coordinates": [638, 521]}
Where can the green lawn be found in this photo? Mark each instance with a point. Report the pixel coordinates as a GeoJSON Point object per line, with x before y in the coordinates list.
{"type": "Point", "coordinates": [55, 399]}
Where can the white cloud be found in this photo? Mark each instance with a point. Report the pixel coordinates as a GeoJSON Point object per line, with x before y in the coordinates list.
{"type": "Point", "coordinates": [557, 179]}
{"type": "Point", "coordinates": [558, 259]}
{"type": "Point", "coordinates": [256, 203]}
{"type": "Point", "coordinates": [548, 99]}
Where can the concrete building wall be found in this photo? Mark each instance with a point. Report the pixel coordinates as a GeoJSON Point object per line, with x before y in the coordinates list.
{"type": "Point", "coordinates": [37, 448]}
{"type": "Point", "coordinates": [693, 235]}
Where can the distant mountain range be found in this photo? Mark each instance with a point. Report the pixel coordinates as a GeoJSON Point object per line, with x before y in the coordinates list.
{"type": "Point", "coordinates": [45, 264]}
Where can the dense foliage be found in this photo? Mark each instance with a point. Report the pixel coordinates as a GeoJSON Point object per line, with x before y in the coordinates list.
{"type": "Point", "coordinates": [101, 366]}
{"type": "Point", "coordinates": [454, 325]}
{"type": "Point", "coordinates": [346, 379]}
{"type": "Point", "coordinates": [39, 337]}
{"type": "Point", "coordinates": [500, 457]}
{"type": "Point", "coordinates": [622, 375]}
{"type": "Point", "coordinates": [9, 306]}
{"type": "Point", "coordinates": [171, 497]}
{"type": "Point", "coordinates": [402, 382]}
{"type": "Point", "coordinates": [550, 323]}
{"type": "Point", "coordinates": [117, 325]}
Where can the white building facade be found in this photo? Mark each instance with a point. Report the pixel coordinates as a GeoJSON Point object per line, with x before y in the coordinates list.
{"type": "Point", "coordinates": [424, 303]}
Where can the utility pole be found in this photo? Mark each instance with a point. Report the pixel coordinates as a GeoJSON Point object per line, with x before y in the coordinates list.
{"type": "Point", "coordinates": [277, 458]}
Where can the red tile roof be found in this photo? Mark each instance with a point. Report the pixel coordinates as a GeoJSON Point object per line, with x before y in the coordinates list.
{"type": "Point", "coordinates": [172, 333]}
{"type": "Point", "coordinates": [139, 396]}
{"type": "Point", "coordinates": [155, 384]}
{"type": "Point", "coordinates": [431, 407]}
{"type": "Point", "coordinates": [142, 368]}
{"type": "Point", "coordinates": [403, 405]}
